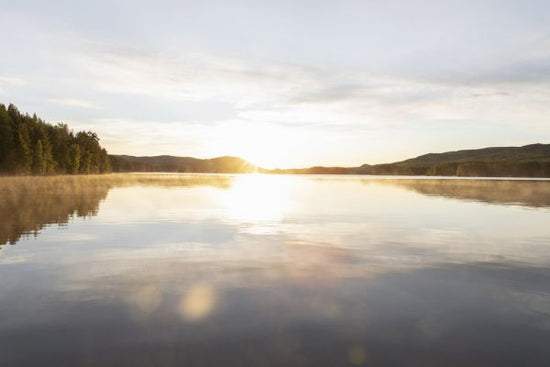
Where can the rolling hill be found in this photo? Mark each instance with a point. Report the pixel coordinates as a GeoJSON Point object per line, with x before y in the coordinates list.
{"type": "Point", "coordinates": [527, 161]}
{"type": "Point", "coordinates": [167, 163]}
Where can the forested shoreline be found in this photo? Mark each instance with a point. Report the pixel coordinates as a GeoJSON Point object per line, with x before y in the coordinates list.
{"type": "Point", "coordinates": [531, 160]}
{"type": "Point", "coordinates": [29, 145]}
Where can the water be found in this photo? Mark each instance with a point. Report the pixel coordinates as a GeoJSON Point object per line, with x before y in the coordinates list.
{"type": "Point", "coordinates": [253, 270]}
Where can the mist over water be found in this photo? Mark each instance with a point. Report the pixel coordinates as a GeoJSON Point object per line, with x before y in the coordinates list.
{"type": "Point", "coordinates": [259, 270]}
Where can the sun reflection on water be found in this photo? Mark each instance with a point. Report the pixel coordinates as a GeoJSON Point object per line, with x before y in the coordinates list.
{"type": "Point", "coordinates": [258, 198]}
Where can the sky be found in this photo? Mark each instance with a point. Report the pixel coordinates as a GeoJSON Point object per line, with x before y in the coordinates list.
{"type": "Point", "coordinates": [283, 83]}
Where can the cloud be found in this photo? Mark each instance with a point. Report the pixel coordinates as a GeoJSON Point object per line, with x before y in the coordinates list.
{"type": "Point", "coordinates": [205, 105]}
{"type": "Point", "coordinates": [13, 81]}
{"type": "Point", "coordinates": [299, 95]}
{"type": "Point", "coordinates": [191, 77]}
{"type": "Point", "coordinates": [73, 103]}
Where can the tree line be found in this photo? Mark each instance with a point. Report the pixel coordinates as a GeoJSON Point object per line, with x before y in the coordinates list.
{"type": "Point", "coordinates": [29, 145]}
{"type": "Point", "coordinates": [480, 168]}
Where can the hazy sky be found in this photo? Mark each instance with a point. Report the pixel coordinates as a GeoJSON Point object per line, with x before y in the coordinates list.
{"type": "Point", "coordinates": [283, 83]}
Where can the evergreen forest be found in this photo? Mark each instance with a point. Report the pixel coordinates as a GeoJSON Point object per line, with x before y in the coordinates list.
{"type": "Point", "coordinates": [29, 145]}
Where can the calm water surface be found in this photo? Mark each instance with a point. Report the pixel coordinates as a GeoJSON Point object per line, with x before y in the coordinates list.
{"type": "Point", "coordinates": [253, 270]}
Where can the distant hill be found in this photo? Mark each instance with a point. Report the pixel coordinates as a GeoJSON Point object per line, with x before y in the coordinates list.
{"type": "Point", "coordinates": [168, 163]}
{"type": "Point", "coordinates": [526, 161]}
{"type": "Point", "coordinates": [526, 152]}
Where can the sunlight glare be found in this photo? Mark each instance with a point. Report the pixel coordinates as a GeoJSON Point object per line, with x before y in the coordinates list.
{"type": "Point", "coordinates": [258, 198]}
{"type": "Point", "coordinates": [260, 144]}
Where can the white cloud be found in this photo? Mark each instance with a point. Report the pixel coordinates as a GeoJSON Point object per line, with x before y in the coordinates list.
{"type": "Point", "coordinates": [272, 103]}
{"type": "Point", "coordinates": [73, 103]}
{"type": "Point", "coordinates": [290, 94]}
{"type": "Point", "coordinates": [192, 77]}
{"type": "Point", "coordinates": [13, 81]}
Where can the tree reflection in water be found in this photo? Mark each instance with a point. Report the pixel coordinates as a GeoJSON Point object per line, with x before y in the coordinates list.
{"type": "Point", "coordinates": [28, 204]}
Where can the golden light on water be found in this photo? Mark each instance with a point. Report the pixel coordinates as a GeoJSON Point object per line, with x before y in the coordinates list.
{"type": "Point", "coordinates": [257, 198]}
{"type": "Point", "coordinates": [197, 303]}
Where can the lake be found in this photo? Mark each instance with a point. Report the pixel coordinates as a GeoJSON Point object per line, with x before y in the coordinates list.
{"type": "Point", "coordinates": [261, 270]}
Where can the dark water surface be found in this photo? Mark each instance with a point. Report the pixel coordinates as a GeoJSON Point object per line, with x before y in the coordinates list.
{"type": "Point", "coordinates": [253, 270]}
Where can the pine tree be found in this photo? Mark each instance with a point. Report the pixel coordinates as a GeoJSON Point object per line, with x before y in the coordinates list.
{"type": "Point", "coordinates": [30, 145]}
{"type": "Point", "coordinates": [7, 143]}
{"type": "Point", "coordinates": [105, 163]}
{"type": "Point", "coordinates": [38, 163]}
{"type": "Point", "coordinates": [62, 139]}
{"type": "Point", "coordinates": [47, 157]}
{"type": "Point", "coordinates": [24, 149]}
{"type": "Point", "coordinates": [74, 159]}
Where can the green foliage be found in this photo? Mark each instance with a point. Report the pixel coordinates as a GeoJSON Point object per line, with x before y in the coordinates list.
{"type": "Point", "coordinates": [527, 161]}
{"type": "Point", "coordinates": [30, 145]}
{"type": "Point", "coordinates": [73, 162]}
{"type": "Point", "coordinates": [24, 149]}
{"type": "Point", "coordinates": [7, 142]}
{"type": "Point", "coordinates": [38, 164]}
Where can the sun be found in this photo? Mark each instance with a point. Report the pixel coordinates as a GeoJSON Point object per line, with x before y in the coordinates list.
{"type": "Point", "coordinates": [264, 145]}
{"type": "Point", "coordinates": [261, 156]}
{"type": "Point", "coordinates": [261, 151]}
